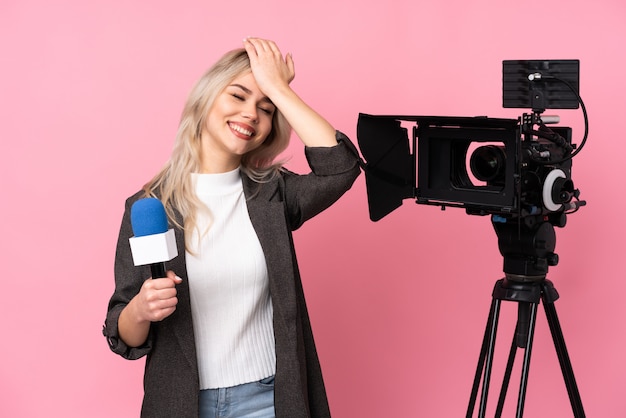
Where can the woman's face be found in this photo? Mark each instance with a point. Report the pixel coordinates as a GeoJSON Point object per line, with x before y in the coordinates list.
{"type": "Point", "coordinates": [239, 121]}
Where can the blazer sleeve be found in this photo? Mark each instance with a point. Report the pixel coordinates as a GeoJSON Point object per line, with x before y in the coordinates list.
{"type": "Point", "coordinates": [333, 171]}
{"type": "Point", "coordinates": [128, 282]}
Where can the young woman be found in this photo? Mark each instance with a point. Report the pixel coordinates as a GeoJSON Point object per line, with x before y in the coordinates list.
{"type": "Point", "coordinates": [227, 333]}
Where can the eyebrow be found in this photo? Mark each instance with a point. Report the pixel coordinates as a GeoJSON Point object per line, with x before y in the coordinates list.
{"type": "Point", "coordinates": [248, 91]}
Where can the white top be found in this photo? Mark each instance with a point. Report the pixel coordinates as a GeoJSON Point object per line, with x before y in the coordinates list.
{"type": "Point", "coordinates": [228, 281]}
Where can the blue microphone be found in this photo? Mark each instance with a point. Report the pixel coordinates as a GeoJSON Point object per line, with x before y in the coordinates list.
{"type": "Point", "coordinates": [153, 243]}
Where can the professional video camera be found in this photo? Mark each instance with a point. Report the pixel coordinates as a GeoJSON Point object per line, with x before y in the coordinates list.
{"type": "Point", "coordinates": [513, 168]}
{"type": "Point", "coordinates": [516, 170]}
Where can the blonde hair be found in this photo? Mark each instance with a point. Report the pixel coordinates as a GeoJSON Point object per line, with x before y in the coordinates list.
{"type": "Point", "coordinates": [173, 183]}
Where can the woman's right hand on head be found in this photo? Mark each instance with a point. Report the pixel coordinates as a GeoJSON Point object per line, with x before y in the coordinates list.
{"type": "Point", "coordinates": [157, 298]}
{"type": "Point", "coordinates": [271, 70]}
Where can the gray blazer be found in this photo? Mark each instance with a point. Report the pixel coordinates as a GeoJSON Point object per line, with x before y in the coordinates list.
{"type": "Point", "coordinates": [171, 382]}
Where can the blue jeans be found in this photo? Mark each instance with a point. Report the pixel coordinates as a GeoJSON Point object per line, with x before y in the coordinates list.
{"type": "Point", "coordinates": [250, 400]}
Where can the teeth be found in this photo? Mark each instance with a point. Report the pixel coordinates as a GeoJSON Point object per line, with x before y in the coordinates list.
{"type": "Point", "coordinates": [240, 129]}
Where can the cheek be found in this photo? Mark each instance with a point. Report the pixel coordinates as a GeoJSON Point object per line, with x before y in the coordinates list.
{"type": "Point", "coordinates": [266, 127]}
{"type": "Point", "coordinates": [213, 115]}
{"type": "Point", "coordinates": [208, 124]}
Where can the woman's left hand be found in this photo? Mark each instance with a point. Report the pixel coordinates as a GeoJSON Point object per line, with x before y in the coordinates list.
{"type": "Point", "coordinates": [271, 70]}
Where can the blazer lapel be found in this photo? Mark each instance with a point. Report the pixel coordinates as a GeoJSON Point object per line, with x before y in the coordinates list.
{"type": "Point", "coordinates": [266, 208]}
{"type": "Point", "coordinates": [183, 329]}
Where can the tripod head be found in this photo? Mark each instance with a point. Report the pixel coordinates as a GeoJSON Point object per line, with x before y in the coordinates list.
{"type": "Point", "coordinates": [527, 245]}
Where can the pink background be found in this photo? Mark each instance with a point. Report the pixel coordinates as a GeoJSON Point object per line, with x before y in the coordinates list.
{"type": "Point", "coordinates": [90, 95]}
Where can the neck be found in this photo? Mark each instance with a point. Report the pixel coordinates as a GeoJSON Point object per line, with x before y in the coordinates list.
{"type": "Point", "coordinates": [217, 165]}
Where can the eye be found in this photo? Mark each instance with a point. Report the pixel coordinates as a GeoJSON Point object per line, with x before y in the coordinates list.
{"type": "Point", "coordinates": [267, 110]}
{"type": "Point", "coordinates": [238, 97]}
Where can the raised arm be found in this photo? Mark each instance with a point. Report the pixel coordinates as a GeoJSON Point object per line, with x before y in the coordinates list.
{"type": "Point", "coordinates": [273, 73]}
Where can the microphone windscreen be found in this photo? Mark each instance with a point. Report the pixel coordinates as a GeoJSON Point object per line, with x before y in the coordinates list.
{"type": "Point", "coordinates": [147, 217]}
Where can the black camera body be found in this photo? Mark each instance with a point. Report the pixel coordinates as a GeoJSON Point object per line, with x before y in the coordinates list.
{"type": "Point", "coordinates": [513, 168]}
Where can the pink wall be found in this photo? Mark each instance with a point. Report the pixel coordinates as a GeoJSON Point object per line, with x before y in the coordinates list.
{"type": "Point", "coordinates": [90, 94]}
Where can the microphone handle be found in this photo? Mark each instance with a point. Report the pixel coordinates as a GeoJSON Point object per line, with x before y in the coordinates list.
{"type": "Point", "coordinates": [158, 270]}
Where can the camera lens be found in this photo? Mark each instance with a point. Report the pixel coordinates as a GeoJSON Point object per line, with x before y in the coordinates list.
{"type": "Point", "coordinates": [487, 163]}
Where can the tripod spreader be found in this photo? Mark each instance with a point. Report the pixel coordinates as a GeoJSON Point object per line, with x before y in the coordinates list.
{"type": "Point", "coordinates": [525, 293]}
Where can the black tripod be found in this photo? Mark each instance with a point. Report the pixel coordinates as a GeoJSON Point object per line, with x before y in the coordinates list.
{"type": "Point", "coordinates": [527, 247]}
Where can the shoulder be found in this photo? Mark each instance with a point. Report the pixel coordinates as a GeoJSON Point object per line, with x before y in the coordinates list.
{"type": "Point", "coordinates": [138, 195]}
{"type": "Point", "coordinates": [264, 188]}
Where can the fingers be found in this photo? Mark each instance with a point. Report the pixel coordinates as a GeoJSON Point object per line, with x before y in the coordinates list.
{"type": "Point", "coordinates": [257, 47]}
{"type": "Point", "coordinates": [170, 275]}
{"type": "Point", "coordinates": [157, 298]}
{"type": "Point", "coordinates": [291, 66]}
{"type": "Point", "coordinates": [270, 68]}
{"type": "Point", "coordinates": [262, 45]}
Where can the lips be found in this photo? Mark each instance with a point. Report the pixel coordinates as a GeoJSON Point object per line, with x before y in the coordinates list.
{"type": "Point", "coordinates": [241, 130]}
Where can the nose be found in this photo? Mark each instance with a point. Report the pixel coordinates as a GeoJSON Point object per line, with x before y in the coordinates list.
{"type": "Point", "coordinates": [250, 112]}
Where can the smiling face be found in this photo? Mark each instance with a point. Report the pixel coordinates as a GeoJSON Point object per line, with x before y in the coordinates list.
{"type": "Point", "coordinates": [238, 122]}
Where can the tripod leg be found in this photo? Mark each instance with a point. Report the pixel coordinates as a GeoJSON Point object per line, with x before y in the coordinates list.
{"type": "Point", "coordinates": [481, 364]}
{"type": "Point", "coordinates": [489, 358]}
{"type": "Point", "coordinates": [527, 352]}
{"type": "Point", "coordinates": [520, 340]}
{"type": "Point", "coordinates": [485, 361]}
{"type": "Point", "coordinates": [507, 376]}
{"type": "Point", "coordinates": [564, 360]}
